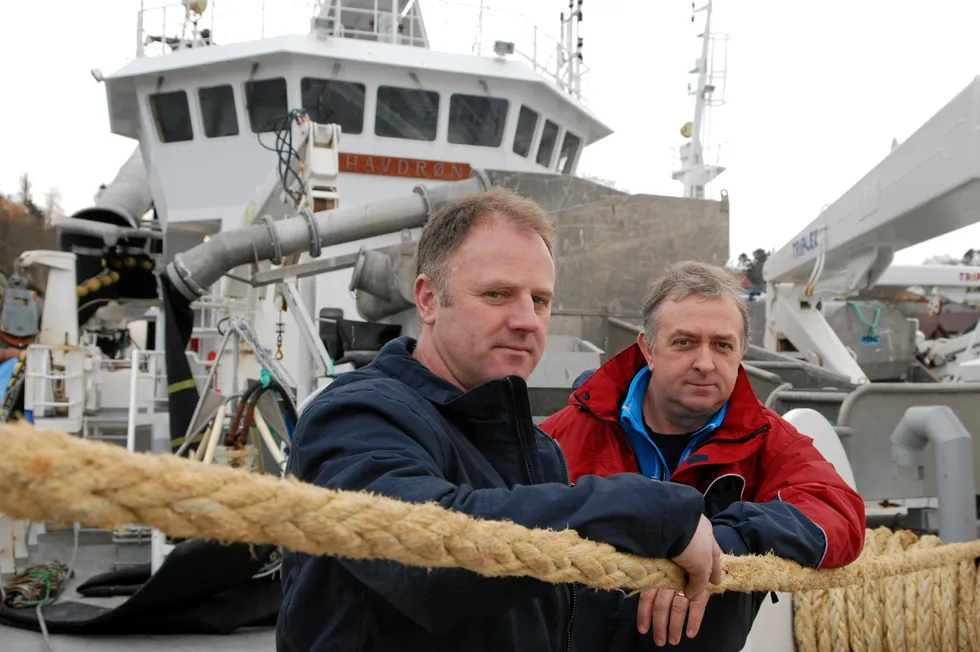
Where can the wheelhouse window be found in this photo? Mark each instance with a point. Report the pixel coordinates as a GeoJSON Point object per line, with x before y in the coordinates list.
{"type": "Point", "coordinates": [527, 120]}
{"type": "Point", "coordinates": [330, 101]}
{"type": "Point", "coordinates": [546, 148]}
{"type": "Point", "coordinates": [172, 116]}
{"type": "Point", "coordinates": [218, 112]}
{"type": "Point", "coordinates": [406, 113]}
{"type": "Point", "coordinates": [568, 152]}
{"type": "Point", "coordinates": [477, 120]}
{"type": "Point", "coordinates": [266, 102]}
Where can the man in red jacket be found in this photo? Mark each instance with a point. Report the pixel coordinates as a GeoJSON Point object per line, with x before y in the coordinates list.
{"type": "Point", "coordinates": [677, 406]}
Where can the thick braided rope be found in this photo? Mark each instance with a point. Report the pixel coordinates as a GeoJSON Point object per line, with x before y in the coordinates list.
{"type": "Point", "coordinates": [930, 609]}
{"type": "Point", "coordinates": [872, 598]}
{"type": "Point", "coordinates": [965, 619]}
{"type": "Point", "coordinates": [976, 623]}
{"type": "Point", "coordinates": [48, 475]}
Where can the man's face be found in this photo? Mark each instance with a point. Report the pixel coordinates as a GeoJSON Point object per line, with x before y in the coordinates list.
{"type": "Point", "coordinates": [501, 283]}
{"type": "Point", "coordinates": [695, 356]}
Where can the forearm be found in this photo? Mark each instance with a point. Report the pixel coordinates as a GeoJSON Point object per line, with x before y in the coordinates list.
{"type": "Point", "coordinates": [823, 517]}
{"type": "Point", "coordinates": [622, 511]}
{"type": "Point", "coordinates": [775, 527]}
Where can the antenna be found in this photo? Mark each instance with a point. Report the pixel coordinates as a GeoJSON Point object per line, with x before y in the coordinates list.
{"type": "Point", "coordinates": [570, 52]}
{"type": "Point", "coordinates": [478, 37]}
{"type": "Point", "coordinates": [694, 173]}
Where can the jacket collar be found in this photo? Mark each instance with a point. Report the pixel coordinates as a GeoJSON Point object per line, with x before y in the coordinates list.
{"type": "Point", "coordinates": [605, 391]}
{"type": "Point", "coordinates": [487, 402]}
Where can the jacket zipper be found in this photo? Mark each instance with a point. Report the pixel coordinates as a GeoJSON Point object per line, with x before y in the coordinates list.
{"type": "Point", "coordinates": [740, 440]}
{"type": "Point", "coordinates": [520, 433]}
{"type": "Point", "coordinates": [571, 587]}
{"type": "Point", "coordinates": [568, 482]}
{"type": "Point", "coordinates": [564, 461]}
{"type": "Point", "coordinates": [571, 619]}
{"type": "Point", "coordinates": [589, 410]}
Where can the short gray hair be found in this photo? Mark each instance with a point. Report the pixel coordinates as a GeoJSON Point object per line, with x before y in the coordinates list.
{"type": "Point", "coordinates": [691, 277]}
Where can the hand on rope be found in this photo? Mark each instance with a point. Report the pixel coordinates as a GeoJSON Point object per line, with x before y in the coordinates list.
{"type": "Point", "coordinates": [50, 475]}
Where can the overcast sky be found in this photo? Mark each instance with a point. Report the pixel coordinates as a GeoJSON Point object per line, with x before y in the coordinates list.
{"type": "Point", "coordinates": [815, 94]}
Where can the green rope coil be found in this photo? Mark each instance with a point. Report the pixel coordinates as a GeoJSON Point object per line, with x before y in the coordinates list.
{"type": "Point", "coordinates": [37, 585]}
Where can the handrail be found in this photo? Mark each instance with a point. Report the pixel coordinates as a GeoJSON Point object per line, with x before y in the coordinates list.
{"type": "Point", "coordinates": [165, 28]}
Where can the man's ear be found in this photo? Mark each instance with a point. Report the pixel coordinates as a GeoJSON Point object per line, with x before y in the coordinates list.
{"type": "Point", "coordinates": [641, 340]}
{"type": "Point", "coordinates": [426, 299]}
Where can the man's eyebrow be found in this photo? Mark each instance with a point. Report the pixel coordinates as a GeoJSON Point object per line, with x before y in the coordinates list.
{"type": "Point", "coordinates": [680, 332]}
{"type": "Point", "coordinates": [508, 286]}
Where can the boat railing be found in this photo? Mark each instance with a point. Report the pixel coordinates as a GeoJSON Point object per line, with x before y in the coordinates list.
{"type": "Point", "coordinates": [449, 26]}
{"type": "Point", "coordinates": [54, 387]}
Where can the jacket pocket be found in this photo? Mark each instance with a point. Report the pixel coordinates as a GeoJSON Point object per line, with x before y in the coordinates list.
{"type": "Point", "coordinates": [723, 491]}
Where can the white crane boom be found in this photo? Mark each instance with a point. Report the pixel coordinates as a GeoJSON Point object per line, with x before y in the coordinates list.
{"type": "Point", "coordinates": [955, 283]}
{"type": "Point", "coordinates": [926, 187]}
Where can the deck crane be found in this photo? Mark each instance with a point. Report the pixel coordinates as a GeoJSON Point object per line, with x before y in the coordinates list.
{"type": "Point", "coordinates": [937, 283]}
{"type": "Point", "coordinates": [926, 187]}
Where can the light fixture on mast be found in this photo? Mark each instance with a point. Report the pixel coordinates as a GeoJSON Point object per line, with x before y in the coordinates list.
{"type": "Point", "coordinates": [694, 173]}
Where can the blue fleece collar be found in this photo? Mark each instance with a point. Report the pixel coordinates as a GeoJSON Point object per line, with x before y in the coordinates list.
{"type": "Point", "coordinates": [650, 459]}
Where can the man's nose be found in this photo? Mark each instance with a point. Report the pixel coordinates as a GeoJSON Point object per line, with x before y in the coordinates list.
{"type": "Point", "coordinates": [704, 362]}
{"type": "Point", "coordinates": [523, 316]}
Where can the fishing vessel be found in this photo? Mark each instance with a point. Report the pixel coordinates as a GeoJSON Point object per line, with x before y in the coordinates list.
{"type": "Point", "coordinates": [153, 330]}
{"type": "Point", "coordinates": [258, 241]}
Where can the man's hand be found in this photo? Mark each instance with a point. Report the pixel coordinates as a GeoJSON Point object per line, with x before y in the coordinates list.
{"type": "Point", "coordinates": [701, 559]}
{"type": "Point", "coordinates": [663, 606]}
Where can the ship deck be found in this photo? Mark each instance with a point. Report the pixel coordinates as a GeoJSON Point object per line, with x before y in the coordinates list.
{"type": "Point", "coordinates": [97, 554]}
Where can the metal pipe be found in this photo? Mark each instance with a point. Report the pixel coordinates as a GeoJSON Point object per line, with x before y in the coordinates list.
{"type": "Point", "coordinates": [195, 270]}
{"type": "Point", "coordinates": [625, 325]}
{"type": "Point", "coordinates": [778, 364]}
{"type": "Point", "coordinates": [953, 448]}
{"type": "Point", "coordinates": [374, 308]}
{"type": "Point", "coordinates": [761, 374]}
{"type": "Point", "coordinates": [134, 361]}
{"type": "Point", "coordinates": [307, 374]}
{"type": "Point", "coordinates": [813, 397]}
{"type": "Point", "coordinates": [126, 199]}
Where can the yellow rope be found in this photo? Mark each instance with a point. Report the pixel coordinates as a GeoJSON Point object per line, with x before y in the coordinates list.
{"type": "Point", "coordinates": [930, 609]}
{"type": "Point", "coordinates": [49, 475]}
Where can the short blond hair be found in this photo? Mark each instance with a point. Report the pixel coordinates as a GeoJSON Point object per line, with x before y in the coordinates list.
{"type": "Point", "coordinates": [692, 277]}
{"type": "Point", "coordinates": [444, 233]}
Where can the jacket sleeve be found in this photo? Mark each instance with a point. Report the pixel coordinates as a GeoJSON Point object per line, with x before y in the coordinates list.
{"type": "Point", "coordinates": [370, 441]}
{"type": "Point", "coordinates": [803, 510]}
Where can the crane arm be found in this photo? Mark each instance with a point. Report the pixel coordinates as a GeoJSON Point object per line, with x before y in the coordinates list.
{"type": "Point", "coordinates": [924, 188]}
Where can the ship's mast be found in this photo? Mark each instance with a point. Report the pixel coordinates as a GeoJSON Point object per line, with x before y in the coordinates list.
{"type": "Point", "coordinates": [570, 50]}
{"type": "Point", "coordinates": [694, 173]}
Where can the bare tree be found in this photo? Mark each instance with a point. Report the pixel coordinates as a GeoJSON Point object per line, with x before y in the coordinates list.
{"type": "Point", "coordinates": [27, 199]}
{"type": "Point", "coordinates": [752, 267]}
{"type": "Point", "coordinates": [53, 212]}
{"type": "Point", "coordinates": [971, 257]}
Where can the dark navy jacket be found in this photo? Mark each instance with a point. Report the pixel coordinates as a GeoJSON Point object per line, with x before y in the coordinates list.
{"type": "Point", "coordinates": [394, 428]}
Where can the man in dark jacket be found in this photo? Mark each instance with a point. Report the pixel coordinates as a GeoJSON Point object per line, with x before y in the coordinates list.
{"type": "Point", "coordinates": [447, 419]}
{"type": "Point", "coordinates": [678, 407]}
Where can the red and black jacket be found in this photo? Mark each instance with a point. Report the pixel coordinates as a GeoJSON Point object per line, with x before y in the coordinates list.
{"type": "Point", "coordinates": [766, 489]}
{"type": "Point", "coordinates": [760, 476]}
